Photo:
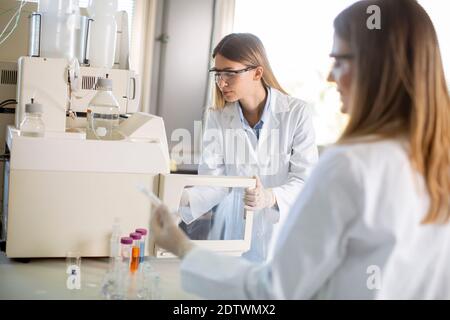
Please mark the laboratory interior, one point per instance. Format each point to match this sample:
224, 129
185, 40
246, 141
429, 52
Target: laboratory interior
217, 149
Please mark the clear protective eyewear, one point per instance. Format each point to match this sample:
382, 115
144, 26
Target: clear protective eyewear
337, 59
228, 75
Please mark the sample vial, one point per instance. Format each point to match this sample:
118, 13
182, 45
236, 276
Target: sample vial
143, 233
125, 250
135, 251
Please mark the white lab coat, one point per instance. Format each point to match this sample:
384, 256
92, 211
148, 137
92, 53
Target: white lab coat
283, 158
359, 214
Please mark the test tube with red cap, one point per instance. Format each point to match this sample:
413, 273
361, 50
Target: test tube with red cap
143, 233
135, 251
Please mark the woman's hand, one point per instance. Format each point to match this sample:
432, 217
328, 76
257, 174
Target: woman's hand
166, 233
258, 198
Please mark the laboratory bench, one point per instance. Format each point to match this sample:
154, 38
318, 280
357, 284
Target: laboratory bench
45, 279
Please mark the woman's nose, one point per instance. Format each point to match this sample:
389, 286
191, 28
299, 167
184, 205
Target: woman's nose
221, 83
330, 77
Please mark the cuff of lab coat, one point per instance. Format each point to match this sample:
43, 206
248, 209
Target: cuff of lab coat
195, 204
185, 215
214, 276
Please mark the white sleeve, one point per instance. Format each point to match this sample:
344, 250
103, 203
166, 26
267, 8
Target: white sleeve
303, 158
307, 252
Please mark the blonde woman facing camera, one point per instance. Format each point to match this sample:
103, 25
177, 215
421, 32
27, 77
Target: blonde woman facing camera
376, 202
255, 129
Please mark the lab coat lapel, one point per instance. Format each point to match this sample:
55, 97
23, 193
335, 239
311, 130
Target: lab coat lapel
270, 133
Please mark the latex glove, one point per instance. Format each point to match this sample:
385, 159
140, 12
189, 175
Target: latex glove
166, 233
258, 198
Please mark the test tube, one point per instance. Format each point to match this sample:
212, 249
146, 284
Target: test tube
125, 250
134, 265
143, 233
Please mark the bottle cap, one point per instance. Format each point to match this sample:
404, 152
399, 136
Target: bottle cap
135, 236
126, 240
104, 83
33, 107
142, 231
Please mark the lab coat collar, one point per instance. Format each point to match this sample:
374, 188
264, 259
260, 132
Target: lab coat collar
278, 104
264, 115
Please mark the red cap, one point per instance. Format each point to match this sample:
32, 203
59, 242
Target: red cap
126, 240
142, 231
135, 236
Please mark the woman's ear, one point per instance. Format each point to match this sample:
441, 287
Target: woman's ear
259, 72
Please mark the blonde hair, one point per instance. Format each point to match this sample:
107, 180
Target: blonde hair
247, 49
399, 88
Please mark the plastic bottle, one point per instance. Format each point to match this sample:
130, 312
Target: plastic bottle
60, 19
143, 233
135, 254
103, 113
32, 125
103, 33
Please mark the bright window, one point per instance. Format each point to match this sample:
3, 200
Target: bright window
438, 12
298, 37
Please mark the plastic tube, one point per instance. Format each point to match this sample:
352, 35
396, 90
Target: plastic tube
143, 233
125, 250
135, 251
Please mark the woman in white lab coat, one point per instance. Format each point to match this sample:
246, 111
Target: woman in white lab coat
372, 220
255, 129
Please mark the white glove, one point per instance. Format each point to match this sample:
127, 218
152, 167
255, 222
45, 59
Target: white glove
258, 198
166, 233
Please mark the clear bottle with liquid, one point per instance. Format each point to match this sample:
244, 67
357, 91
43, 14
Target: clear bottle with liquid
32, 125
103, 113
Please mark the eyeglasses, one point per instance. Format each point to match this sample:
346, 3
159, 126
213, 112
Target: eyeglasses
228, 76
345, 56
338, 58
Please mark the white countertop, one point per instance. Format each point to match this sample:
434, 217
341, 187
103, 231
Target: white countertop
45, 279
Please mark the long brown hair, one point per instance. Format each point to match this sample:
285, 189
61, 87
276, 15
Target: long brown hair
399, 88
247, 49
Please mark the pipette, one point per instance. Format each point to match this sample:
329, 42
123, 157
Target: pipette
150, 195
156, 201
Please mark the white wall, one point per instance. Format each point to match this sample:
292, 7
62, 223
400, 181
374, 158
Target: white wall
17, 43
183, 64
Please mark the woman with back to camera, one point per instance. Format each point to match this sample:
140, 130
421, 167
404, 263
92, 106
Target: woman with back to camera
378, 200
255, 129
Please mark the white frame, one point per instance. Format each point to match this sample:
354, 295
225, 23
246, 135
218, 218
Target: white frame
170, 189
